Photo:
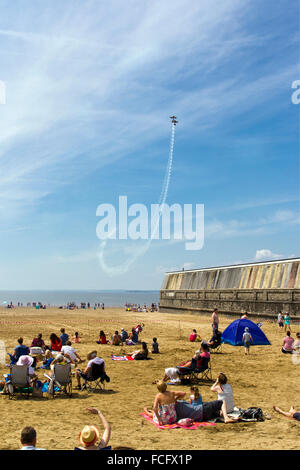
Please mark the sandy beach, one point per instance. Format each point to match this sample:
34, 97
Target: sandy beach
264, 378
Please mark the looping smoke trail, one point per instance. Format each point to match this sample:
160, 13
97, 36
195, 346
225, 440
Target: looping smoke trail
123, 268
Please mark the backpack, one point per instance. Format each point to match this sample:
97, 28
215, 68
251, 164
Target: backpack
252, 414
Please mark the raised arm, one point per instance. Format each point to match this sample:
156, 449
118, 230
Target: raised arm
107, 429
216, 387
179, 395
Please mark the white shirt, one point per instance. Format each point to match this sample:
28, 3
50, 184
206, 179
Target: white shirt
70, 351
96, 360
227, 396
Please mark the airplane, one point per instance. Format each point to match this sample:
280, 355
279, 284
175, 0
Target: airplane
174, 120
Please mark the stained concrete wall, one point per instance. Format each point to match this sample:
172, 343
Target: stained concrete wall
258, 288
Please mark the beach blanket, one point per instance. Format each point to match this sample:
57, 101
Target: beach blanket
195, 424
122, 358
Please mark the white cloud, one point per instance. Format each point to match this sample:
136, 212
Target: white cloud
265, 253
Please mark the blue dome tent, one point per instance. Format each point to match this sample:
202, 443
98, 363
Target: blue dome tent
233, 334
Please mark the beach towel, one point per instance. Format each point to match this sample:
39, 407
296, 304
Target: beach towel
195, 424
122, 358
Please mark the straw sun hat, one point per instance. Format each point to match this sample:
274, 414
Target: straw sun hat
89, 435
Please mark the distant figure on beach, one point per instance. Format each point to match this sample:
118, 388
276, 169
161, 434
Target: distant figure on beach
246, 340
155, 348
38, 342
194, 336
124, 335
287, 344
20, 350
280, 320
215, 319
64, 337
55, 342
287, 322
28, 439
215, 340
102, 338
116, 339
141, 354
76, 337
102, 306
244, 316
133, 338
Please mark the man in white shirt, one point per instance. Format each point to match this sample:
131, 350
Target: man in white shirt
28, 439
70, 353
93, 359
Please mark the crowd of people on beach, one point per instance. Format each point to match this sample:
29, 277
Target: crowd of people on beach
169, 406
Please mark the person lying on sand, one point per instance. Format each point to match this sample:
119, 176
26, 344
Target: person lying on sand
292, 414
141, 353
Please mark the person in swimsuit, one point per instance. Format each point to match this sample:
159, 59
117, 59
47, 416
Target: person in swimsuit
164, 411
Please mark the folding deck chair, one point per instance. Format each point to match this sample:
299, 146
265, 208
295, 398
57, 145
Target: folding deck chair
95, 379
196, 375
61, 378
19, 378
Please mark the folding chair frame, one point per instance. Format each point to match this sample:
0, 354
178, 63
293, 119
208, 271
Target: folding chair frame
11, 385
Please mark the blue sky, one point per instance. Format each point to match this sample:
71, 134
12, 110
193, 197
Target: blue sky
90, 86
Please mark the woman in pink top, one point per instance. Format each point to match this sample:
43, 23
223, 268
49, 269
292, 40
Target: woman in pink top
287, 345
194, 335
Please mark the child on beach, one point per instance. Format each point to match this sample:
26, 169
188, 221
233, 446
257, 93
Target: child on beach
195, 397
76, 337
246, 340
155, 349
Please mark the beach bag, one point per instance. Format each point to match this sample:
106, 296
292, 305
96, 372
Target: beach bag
185, 422
252, 414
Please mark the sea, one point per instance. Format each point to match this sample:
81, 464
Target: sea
57, 298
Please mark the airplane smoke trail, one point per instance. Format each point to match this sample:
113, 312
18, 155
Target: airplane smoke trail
139, 251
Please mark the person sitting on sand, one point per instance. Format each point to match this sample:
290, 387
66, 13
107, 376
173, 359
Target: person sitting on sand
93, 359
116, 339
195, 397
55, 342
141, 354
38, 342
287, 344
155, 348
20, 350
296, 344
133, 338
164, 411
124, 335
64, 336
102, 338
70, 353
225, 394
48, 359
90, 435
292, 414
194, 336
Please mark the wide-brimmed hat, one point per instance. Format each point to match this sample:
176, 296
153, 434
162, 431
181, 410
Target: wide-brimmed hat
25, 361
89, 435
89, 356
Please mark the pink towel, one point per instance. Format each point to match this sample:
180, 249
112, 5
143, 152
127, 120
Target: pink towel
195, 425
